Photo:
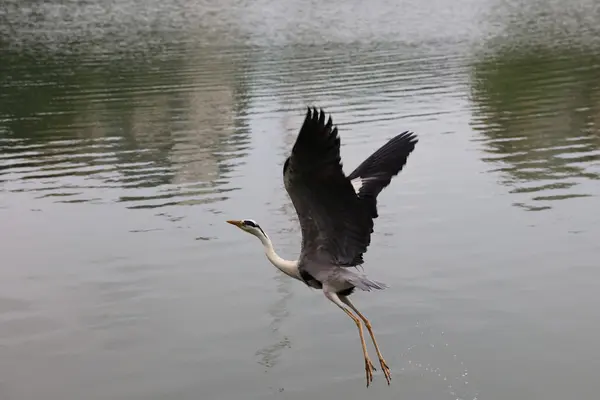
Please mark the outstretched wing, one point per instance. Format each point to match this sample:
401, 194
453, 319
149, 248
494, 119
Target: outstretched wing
376, 172
337, 220
335, 227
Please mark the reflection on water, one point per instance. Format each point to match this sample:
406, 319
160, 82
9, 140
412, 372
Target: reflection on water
170, 130
103, 131
363, 84
537, 108
269, 355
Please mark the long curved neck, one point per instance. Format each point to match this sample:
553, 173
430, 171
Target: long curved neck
288, 267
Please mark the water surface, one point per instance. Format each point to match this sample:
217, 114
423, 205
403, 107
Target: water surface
129, 133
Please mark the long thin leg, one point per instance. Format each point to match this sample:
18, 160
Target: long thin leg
384, 367
369, 367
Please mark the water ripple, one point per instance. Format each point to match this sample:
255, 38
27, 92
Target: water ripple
167, 133
536, 112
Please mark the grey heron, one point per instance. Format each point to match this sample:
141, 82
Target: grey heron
336, 214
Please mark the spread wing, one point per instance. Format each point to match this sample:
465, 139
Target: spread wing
336, 220
336, 228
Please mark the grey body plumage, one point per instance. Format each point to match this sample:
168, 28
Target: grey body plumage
336, 214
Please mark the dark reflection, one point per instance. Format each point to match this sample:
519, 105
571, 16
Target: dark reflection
270, 355
72, 122
289, 230
537, 110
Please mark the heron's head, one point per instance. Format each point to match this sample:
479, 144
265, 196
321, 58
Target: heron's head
250, 226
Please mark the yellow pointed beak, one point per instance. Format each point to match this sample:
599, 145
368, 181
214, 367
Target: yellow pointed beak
235, 222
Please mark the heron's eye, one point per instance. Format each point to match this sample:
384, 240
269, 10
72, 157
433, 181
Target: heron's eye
250, 223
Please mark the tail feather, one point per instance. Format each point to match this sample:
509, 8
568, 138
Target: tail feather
361, 281
377, 171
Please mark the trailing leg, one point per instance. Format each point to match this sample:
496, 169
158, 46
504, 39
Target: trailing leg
384, 367
369, 368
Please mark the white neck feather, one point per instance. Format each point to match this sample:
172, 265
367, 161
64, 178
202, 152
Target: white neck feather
288, 267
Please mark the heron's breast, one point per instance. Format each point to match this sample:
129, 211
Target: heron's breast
310, 280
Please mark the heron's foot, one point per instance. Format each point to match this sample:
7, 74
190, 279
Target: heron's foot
369, 368
386, 370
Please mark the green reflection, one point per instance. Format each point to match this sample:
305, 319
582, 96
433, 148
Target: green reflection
537, 111
176, 117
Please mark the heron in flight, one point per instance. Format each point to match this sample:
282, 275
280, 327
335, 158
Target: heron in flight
336, 215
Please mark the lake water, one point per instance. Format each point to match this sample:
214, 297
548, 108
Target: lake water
130, 131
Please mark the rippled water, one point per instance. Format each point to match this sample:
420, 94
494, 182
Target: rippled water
130, 132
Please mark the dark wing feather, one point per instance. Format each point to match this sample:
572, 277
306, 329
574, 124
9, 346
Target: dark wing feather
335, 226
377, 171
337, 222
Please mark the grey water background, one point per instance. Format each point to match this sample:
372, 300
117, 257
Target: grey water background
131, 130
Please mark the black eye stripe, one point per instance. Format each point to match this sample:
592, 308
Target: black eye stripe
250, 223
